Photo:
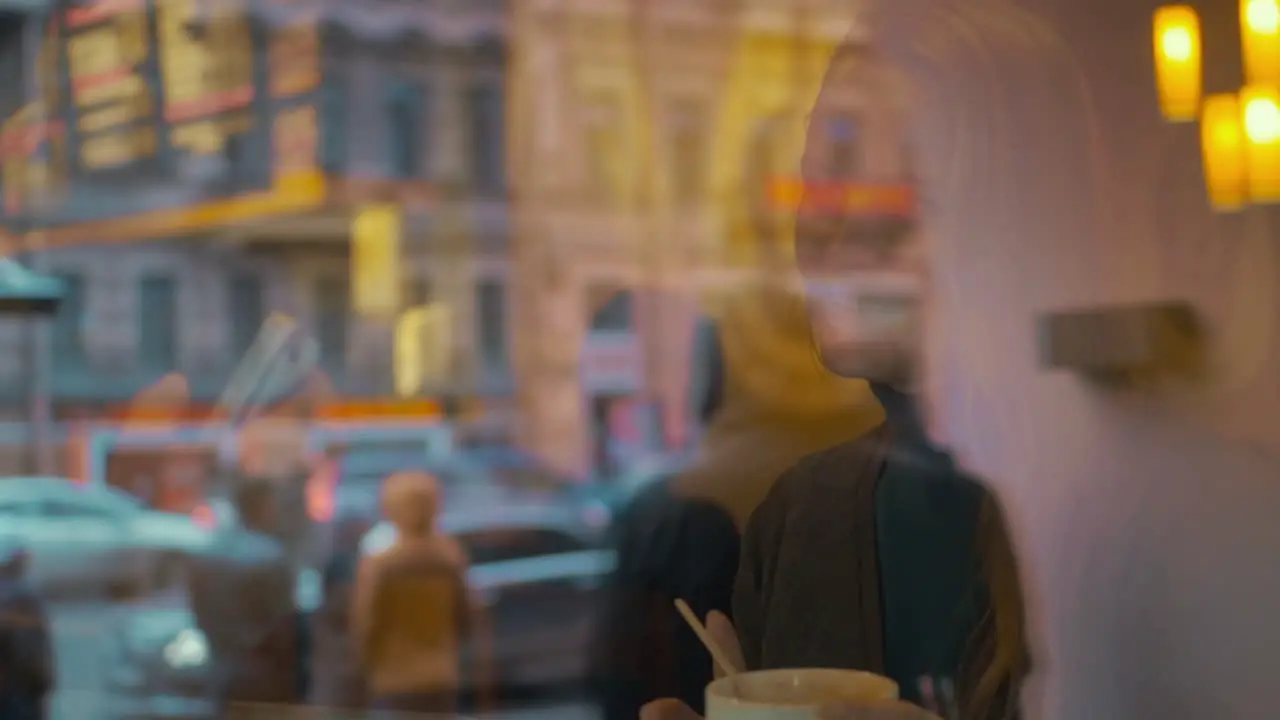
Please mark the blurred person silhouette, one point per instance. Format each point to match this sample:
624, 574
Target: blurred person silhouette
411, 613
271, 459
337, 679
876, 553
274, 449
26, 644
242, 598
679, 537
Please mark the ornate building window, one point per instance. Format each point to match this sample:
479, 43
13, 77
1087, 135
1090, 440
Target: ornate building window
158, 322
487, 138
408, 128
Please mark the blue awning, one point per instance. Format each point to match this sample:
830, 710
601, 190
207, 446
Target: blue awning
23, 290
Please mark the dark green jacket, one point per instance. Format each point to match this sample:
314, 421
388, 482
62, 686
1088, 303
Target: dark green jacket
865, 556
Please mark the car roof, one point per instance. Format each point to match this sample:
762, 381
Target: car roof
49, 485
515, 514
36, 485
34, 481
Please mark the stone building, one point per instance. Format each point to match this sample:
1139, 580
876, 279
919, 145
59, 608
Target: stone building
174, 255
631, 127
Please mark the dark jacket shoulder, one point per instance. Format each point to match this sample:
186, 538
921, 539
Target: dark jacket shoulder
926, 519
668, 547
807, 589
869, 557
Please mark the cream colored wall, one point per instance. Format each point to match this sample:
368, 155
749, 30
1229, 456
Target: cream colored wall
1147, 523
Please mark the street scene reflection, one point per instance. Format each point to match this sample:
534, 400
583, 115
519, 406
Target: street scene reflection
408, 359
262, 258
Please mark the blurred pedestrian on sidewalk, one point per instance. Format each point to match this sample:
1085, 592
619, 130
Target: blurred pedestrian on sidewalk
241, 595
26, 646
411, 613
337, 679
765, 403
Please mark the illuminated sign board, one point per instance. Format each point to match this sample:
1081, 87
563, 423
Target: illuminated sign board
107, 45
847, 198
136, 99
207, 76
397, 411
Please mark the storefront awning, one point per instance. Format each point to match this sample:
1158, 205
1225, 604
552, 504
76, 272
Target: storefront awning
25, 292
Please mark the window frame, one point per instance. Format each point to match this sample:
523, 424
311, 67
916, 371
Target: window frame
242, 329
334, 110
486, 100
67, 330
323, 327
501, 360
407, 111
170, 336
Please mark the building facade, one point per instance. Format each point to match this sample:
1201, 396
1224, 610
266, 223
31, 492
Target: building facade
239, 200
632, 125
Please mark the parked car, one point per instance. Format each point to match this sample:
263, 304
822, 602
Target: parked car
156, 663
93, 538
536, 567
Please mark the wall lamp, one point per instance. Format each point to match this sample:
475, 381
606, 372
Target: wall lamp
1240, 131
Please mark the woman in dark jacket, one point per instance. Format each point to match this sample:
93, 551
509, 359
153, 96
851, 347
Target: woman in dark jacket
679, 538
876, 552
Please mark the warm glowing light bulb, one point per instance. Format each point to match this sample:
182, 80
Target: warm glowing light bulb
1177, 44
1262, 120
1226, 136
1263, 16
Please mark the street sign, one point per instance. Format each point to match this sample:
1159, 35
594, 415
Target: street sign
423, 346
375, 260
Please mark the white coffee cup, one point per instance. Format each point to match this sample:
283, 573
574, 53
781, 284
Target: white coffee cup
793, 694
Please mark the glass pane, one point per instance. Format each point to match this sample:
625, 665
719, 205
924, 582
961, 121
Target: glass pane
406, 125
247, 310
487, 136
157, 324
491, 313
333, 118
67, 341
332, 300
